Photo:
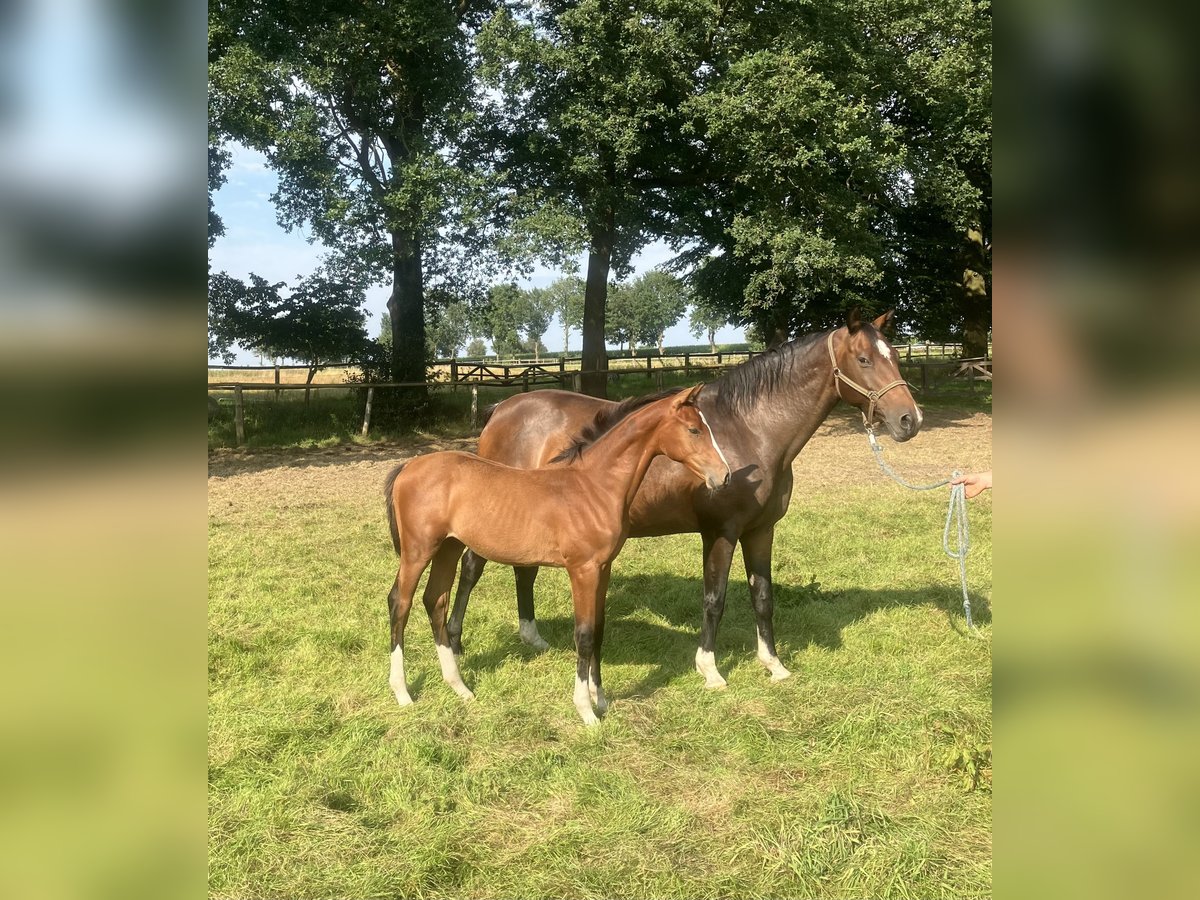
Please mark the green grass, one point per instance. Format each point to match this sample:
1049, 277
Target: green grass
845, 781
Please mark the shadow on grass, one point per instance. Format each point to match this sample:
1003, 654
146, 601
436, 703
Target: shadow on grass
804, 617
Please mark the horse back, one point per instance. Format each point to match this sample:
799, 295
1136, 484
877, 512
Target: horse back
528, 430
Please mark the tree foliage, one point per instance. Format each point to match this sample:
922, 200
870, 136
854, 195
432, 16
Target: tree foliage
319, 321
363, 110
565, 296
641, 311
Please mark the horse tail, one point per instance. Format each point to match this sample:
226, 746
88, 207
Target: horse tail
388, 484
487, 414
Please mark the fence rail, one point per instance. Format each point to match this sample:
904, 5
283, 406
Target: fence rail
475, 375
514, 368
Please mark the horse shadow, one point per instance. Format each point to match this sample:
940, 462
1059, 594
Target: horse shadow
654, 621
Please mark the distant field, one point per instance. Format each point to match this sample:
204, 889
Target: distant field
867, 774
338, 374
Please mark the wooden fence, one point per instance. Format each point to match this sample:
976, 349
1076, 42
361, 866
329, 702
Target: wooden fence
473, 375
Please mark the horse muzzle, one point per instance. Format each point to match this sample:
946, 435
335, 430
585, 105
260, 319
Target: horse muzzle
903, 425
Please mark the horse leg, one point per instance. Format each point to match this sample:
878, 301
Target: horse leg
437, 599
399, 603
718, 555
756, 554
595, 686
526, 575
585, 581
472, 570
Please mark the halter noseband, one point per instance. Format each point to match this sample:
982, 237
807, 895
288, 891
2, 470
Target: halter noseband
872, 396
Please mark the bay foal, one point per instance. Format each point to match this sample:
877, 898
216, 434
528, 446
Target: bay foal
573, 515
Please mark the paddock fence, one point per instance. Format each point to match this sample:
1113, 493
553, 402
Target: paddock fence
927, 367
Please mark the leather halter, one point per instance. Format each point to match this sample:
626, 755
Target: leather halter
872, 396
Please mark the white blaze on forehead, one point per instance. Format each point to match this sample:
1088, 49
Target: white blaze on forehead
884, 350
713, 438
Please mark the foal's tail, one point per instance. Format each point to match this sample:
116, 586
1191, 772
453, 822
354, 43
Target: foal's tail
388, 484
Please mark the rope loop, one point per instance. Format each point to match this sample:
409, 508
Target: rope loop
956, 516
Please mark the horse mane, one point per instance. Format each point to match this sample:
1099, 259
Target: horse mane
604, 422
736, 391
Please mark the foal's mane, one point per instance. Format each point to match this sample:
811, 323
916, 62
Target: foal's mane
736, 391
604, 422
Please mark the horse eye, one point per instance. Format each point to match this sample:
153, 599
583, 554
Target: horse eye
694, 430
863, 361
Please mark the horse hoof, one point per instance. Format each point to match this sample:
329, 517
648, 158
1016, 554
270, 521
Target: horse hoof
589, 718
463, 691
529, 635
716, 684
780, 674
404, 699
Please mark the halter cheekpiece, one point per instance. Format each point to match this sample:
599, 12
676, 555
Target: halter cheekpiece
872, 396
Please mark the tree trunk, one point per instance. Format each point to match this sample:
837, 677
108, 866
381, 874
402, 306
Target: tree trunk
312, 370
975, 297
566, 338
661, 335
406, 306
632, 347
594, 380
712, 340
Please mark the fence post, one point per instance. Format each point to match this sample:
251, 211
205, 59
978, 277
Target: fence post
718, 359
649, 364
525, 382
927, 349
277, 382
687, 365
577, 381
562, 371
475, 405
239, 415
367, 414
454, 375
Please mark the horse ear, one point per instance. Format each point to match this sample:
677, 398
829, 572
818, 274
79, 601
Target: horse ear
885, 323
690, 398
854, 320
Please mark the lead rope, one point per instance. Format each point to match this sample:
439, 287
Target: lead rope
956, 513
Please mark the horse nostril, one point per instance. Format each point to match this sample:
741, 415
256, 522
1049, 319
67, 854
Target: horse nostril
728, 477
906, 421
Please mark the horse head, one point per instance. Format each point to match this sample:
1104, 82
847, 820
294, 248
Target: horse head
867, 376
686, 437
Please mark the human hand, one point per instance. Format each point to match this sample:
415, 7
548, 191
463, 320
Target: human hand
975, 483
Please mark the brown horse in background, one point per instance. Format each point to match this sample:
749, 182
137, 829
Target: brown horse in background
762, 413
574, 516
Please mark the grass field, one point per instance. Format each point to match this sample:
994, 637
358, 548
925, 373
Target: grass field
865, 774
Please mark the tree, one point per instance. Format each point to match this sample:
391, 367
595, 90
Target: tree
477, 349
620, 325
450, 329
591, 106
937, 58
503, 318
660, 300
364, 110
706, 318
536, 313
566, 299
319, 321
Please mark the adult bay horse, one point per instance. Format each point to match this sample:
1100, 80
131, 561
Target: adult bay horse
762, 413
574, 516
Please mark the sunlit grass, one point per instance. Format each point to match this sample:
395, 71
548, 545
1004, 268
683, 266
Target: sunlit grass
832, 784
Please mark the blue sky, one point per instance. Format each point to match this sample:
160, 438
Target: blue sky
254, 242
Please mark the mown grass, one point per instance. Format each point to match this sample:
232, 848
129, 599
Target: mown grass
835, 783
